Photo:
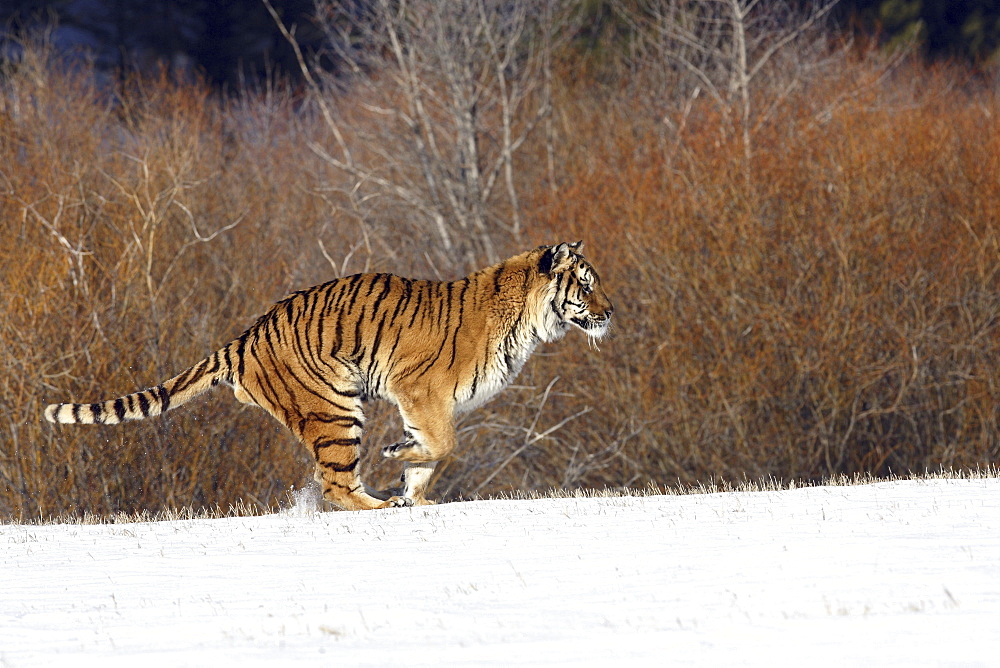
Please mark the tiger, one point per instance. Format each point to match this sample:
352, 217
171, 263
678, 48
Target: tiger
434, 349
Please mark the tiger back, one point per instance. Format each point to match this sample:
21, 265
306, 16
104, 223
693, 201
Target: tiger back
433, 348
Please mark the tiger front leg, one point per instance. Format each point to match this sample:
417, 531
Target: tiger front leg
416, 480
418, 451
428, 437
399, 449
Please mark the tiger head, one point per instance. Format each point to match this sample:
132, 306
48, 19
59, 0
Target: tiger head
575, 296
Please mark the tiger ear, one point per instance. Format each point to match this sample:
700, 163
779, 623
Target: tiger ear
557, 258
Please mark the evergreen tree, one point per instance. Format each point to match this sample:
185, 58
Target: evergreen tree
943, 28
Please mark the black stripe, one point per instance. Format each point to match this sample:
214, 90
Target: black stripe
120, 409
344, 288
354, 289
316, 319
340, 468
340, 420
76, 412
559, 297
186, 378
497, 287
356, 351
332, 484
416, 308
386, 288
545, 262
310, 388
164, 398
305, 352
240, 349
336, 443
374, 280
321, 368
446, 312
475, 382
229, 364
338, 333
266, 382
143, 404
377, 341
392, 349
267, 328
329, 290
403, 301
430, 362
97, 411
215, 363
458, 325
269, 393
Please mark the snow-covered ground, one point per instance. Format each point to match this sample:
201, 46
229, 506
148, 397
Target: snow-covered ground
896, 573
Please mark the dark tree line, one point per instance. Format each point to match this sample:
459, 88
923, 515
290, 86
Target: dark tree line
229, 42
232, 42
966, 29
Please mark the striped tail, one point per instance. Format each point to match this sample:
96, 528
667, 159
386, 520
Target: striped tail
181, 388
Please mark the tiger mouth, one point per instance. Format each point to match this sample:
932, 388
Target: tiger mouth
593, 325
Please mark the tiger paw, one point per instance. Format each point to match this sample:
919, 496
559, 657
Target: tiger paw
399, 502
396, 449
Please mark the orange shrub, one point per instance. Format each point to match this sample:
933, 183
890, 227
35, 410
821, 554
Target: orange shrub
836, 314
831, 308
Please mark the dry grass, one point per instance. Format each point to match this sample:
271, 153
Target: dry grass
304, 502
835, 314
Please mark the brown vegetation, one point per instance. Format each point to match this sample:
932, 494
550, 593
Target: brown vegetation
831, 307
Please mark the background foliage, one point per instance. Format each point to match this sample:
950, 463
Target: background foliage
969, 29
234, 42
826, 302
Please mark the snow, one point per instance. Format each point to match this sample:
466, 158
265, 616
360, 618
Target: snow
893, 574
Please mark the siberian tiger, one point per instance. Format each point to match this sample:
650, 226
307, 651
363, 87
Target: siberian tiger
432, 348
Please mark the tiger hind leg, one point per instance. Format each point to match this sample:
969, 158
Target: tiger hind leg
336, 444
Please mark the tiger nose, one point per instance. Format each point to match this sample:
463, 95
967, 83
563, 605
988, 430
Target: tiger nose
609, 311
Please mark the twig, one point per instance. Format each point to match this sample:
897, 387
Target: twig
530, 440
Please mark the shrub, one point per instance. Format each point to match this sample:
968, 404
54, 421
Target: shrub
835, 313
